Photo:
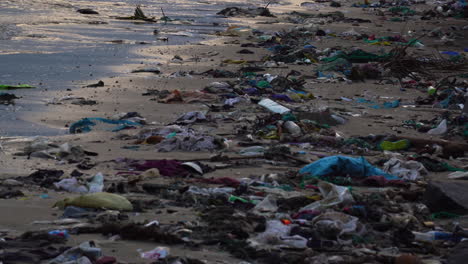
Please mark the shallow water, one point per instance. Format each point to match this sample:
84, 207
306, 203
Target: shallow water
47, 44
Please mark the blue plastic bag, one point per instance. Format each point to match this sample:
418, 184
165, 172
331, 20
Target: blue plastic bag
342, 166
450, 53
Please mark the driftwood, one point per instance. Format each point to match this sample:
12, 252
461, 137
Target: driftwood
139, 15
402, 65
421, 142
260, 156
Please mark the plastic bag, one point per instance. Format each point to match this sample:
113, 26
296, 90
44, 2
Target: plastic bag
274, 230
98, 200
277, 235
408, 170
334, 225
440, 129
71, 185
43, 148
155, 254
96, 184
252, 151
342, 166
84, 125
79, 255
210, 191
458, 175
332, 195
191, 117
268, 205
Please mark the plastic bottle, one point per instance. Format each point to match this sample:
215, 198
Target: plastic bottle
239, 31
338, 119
433, 236
274, 106
90, 250
292, 128
440, 129
60, 233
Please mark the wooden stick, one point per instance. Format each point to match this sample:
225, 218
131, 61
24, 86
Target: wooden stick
444, 143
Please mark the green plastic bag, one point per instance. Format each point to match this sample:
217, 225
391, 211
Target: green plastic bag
402, 10
396, 145
13, 87
100, 200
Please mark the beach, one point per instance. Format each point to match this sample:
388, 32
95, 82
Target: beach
183, 90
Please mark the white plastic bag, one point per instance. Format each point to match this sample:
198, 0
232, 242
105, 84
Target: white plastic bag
440, 129
71, 185
341, 224
332, 195
156, 254
408, 170
268, 205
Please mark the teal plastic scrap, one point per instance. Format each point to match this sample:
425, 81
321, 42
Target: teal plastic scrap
359, 56
385, 105
85, 125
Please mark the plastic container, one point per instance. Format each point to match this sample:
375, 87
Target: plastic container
274, 106
90, 250
60, 233
292, 128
